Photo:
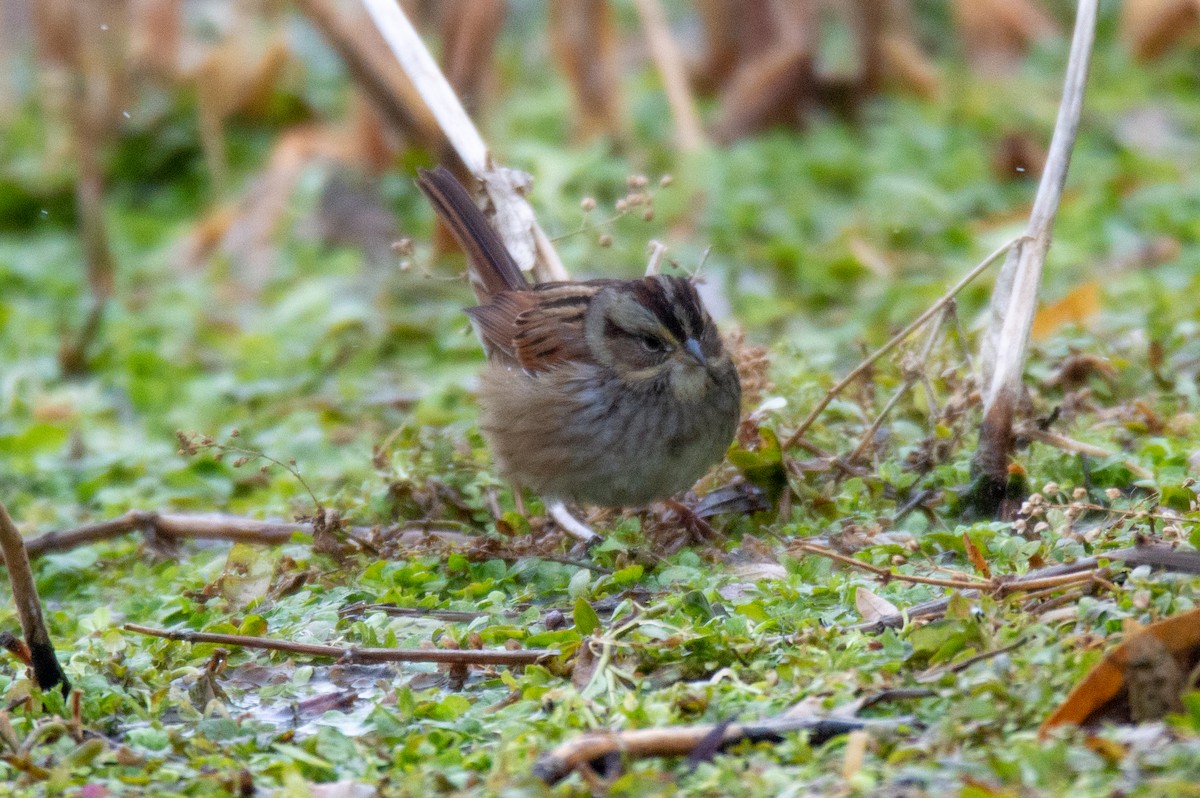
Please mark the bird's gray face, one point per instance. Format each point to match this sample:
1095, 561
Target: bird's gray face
657, 329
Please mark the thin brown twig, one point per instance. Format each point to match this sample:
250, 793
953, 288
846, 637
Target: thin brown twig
888, 574
916, 324
354, 654
1055, 577
933, 674
1004, 588
905, 387
1134, 515
174, 526
212, 527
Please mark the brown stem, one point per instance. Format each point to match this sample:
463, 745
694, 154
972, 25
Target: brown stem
689, 133
375, 73
217, 527
356, 655
1054, 577
1067, 444
46, 669
888, 574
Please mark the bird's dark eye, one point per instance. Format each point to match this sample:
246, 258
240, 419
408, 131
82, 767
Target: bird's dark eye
652, 344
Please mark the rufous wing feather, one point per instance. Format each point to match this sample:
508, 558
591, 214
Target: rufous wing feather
553, 330
495, 322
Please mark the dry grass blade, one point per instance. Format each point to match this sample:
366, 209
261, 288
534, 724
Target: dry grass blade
515, 221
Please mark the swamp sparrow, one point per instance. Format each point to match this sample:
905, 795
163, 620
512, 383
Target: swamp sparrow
606, 392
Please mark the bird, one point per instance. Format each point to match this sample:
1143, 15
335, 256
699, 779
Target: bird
607, 392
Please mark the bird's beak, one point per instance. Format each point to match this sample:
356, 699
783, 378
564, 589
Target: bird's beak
692, 347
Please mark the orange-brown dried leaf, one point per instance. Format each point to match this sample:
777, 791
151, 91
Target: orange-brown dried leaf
978, 561
1080, 306
1104, 692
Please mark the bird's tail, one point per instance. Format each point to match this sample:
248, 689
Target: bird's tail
492, 267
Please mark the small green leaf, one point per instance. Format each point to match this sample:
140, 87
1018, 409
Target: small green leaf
627, 575
586, 619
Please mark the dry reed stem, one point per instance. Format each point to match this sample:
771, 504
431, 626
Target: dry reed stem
515, 220
1014, 297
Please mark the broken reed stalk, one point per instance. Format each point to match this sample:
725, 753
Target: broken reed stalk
355, 655
514, 217
689, 133
896, 340
46, 670
1015, 295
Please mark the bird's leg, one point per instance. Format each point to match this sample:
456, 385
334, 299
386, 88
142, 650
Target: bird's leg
569, 523
519, 500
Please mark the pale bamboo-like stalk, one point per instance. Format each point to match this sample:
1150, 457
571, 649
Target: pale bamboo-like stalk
1014, 298
514, 217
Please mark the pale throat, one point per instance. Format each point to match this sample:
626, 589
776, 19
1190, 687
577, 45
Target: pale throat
689, 383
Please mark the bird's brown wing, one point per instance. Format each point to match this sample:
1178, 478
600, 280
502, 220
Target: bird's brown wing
537, 329
495, 323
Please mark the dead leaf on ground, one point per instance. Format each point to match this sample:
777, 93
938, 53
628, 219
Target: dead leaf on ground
978, 561
1137, 679
872, 607
1080, 306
